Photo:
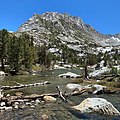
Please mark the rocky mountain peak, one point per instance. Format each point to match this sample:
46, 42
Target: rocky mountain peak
66, 28
55, 18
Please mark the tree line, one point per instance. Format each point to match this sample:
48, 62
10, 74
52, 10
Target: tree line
20, 52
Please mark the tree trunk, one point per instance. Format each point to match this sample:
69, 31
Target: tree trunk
2, 64
86, 71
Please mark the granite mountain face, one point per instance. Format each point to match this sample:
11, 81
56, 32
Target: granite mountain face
55, 29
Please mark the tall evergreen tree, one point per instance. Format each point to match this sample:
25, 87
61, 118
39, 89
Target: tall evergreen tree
44, 56
27, 50
14, 53
3, 46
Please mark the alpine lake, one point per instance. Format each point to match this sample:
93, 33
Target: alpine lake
58, 110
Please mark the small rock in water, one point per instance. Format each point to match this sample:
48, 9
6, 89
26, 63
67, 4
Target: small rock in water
49, 99
32, 106
45, 117
2, 104
8, 95
19, 93
46, 82
16, 105
32, 101
2, 73
99, 88
28, 103
37, 101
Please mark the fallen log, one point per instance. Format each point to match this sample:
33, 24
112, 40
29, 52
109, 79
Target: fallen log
23, 85
14, 102
12, 99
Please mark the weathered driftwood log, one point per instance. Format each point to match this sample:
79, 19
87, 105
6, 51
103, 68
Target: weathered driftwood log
23, 85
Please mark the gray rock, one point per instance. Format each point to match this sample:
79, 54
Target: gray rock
49, 99
99, 88
37, 101
2, 104
69, 75
96, 105
45, 117
73, 86
2, 73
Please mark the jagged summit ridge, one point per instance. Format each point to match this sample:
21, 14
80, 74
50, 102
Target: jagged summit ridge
53, 17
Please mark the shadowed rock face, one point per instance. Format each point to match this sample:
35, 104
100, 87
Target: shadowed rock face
96, 105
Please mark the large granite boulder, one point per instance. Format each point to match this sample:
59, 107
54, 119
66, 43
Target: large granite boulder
96, 105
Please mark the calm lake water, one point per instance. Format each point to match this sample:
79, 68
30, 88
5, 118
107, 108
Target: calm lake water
58, 110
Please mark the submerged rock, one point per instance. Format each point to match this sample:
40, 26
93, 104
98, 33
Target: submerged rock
49, 99
96, 105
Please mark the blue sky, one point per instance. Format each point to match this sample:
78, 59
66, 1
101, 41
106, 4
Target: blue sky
103, 15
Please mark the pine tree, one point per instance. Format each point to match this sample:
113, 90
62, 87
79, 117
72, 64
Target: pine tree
27, 49
44, 56
42, 51
3, 46
14, 53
